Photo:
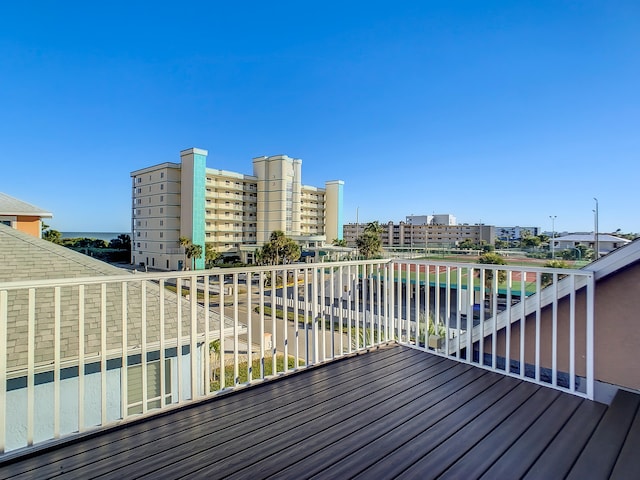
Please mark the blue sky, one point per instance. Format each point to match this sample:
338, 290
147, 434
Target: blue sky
496, 112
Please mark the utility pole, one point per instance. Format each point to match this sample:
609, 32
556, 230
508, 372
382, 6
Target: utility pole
597, 238
553, 235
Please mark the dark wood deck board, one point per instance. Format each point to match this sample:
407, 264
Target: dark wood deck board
476, 461
560, 454
410, 442
245, 424
220, 411
277, 433
439, 460
363, 441
516, 461
600, 454
628, 463
394, 411
341, 426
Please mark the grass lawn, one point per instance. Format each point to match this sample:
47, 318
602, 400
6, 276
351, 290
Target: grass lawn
243, 370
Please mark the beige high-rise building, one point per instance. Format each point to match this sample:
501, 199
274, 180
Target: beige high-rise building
233, 212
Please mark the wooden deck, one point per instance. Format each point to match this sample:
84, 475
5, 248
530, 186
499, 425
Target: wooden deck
393, 412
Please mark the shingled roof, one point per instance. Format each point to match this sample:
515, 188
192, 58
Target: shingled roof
25, 258
12, 206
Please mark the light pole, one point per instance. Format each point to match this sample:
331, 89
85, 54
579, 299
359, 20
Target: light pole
597, 240
553, 235
411, 252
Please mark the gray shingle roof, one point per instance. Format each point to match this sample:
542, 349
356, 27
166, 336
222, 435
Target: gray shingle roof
23, 257
12, 206
602, 237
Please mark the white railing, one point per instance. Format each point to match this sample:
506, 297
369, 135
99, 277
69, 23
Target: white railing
76, 354
475, 312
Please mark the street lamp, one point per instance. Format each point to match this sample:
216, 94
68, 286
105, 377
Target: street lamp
553, 235
597, 240
411, 252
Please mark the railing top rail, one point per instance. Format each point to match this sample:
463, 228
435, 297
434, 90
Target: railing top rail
491, 266
152, 276
140, 276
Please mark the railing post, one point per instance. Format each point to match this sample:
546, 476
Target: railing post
3, 369
590, 351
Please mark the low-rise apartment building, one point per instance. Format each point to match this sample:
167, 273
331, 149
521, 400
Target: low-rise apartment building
233, 212
411, 235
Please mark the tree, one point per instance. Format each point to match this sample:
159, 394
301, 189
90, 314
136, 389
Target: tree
492, 258
467, 244
369, 244
184, 243
339, 242
122, 242
373, 227
193, 252
547, 278
530, 241
210, 255
53, 236
279, 250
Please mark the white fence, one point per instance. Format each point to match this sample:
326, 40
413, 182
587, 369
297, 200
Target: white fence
76, 354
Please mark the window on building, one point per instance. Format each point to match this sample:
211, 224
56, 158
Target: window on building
162, 198
161, 221
161, 234
161, 210
162, 186
160, 246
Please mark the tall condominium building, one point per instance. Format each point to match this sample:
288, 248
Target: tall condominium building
424, 235
233, 212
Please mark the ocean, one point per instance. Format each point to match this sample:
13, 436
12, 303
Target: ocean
106, 236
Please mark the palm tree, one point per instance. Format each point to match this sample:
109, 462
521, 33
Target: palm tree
373, 227
184, 243
210, 255
279, 249
193, 251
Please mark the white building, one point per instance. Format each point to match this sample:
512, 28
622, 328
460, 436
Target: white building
606, 243
435, 219
516, 233
234, 212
